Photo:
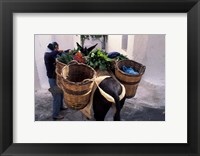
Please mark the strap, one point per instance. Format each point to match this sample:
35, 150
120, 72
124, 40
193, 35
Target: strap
98, 80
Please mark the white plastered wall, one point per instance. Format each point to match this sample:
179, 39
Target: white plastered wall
41, 41
150, 51
115, 44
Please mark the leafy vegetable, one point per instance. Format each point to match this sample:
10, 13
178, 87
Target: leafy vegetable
98, 59
121, 57
65, 57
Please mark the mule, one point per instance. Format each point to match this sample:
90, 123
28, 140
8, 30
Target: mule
112, 87
101, 104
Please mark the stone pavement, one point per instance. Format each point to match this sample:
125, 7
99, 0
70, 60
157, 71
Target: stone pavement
134, 109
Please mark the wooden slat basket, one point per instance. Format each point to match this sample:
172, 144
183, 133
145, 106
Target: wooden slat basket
59, 67
78, 81
130, 82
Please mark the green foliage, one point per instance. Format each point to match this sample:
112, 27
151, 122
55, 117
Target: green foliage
66, 57
98, 59
121, 57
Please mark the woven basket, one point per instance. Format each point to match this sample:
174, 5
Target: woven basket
78, 81
58, 79
130, 82
59, 67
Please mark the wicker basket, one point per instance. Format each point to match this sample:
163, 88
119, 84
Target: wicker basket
78, 81
59, 67
130, 82
58, 79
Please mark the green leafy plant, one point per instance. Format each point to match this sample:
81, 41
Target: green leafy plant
98, 59
121, 57
65, 57
74, 54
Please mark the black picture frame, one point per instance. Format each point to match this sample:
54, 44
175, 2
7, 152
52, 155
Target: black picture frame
8, 7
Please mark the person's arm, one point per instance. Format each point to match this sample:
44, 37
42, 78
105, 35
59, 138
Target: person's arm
53, 54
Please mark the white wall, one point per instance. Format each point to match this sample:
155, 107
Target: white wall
76, 38
115, 44
65, 41
130, 46
150, 51
41, 41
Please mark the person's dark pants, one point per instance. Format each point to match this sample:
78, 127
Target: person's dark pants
57, 97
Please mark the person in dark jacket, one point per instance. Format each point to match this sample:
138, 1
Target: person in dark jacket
50, 60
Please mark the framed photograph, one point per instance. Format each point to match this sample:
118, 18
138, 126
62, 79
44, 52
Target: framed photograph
96, 57
161, 115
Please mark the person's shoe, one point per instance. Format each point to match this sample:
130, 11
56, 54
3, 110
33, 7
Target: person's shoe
63, 108
59, 117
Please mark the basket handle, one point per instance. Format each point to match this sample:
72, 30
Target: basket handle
86, 80
115, 64
142, 69
73, 62
65, 71
90, 80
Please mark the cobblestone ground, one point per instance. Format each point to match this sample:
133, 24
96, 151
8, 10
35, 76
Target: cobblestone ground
133, 110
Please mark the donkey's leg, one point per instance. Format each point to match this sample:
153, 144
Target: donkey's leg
100, 106
119, 106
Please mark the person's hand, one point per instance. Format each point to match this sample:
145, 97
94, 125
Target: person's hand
60, 51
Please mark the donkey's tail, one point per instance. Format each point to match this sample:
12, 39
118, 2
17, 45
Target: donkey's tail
118, 108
